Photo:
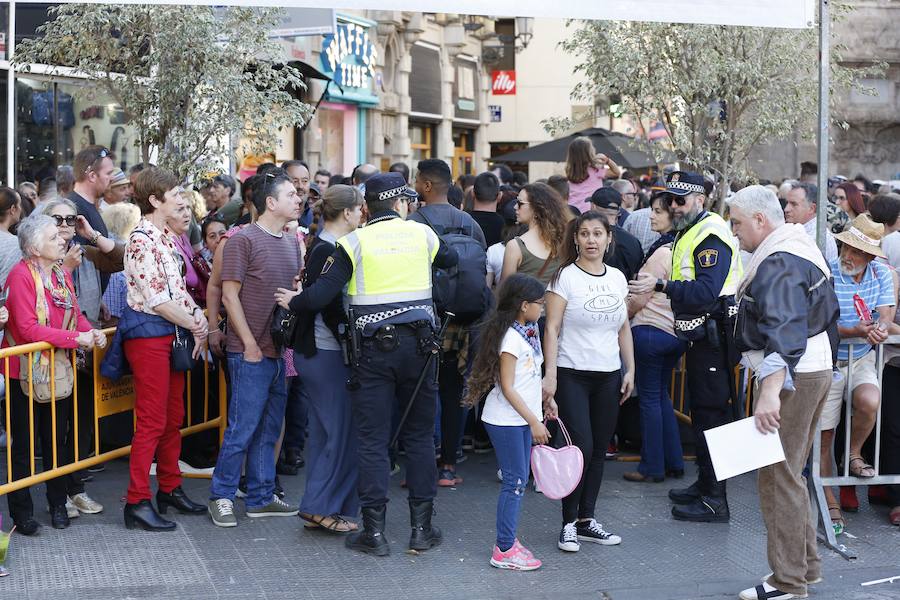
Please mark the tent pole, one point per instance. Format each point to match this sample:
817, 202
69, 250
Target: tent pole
824, 118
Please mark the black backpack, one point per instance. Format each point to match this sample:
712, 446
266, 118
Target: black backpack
461, 290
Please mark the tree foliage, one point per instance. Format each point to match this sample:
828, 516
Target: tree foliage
719, 91
186, 77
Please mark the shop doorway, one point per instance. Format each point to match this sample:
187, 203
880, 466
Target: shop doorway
463, 152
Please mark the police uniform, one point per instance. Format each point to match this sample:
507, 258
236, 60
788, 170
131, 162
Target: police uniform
386, 268
706, 268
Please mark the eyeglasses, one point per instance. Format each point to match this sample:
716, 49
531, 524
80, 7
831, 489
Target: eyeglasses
68, 220
521, 203
542, 301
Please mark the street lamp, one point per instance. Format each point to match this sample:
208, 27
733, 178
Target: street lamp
524, 30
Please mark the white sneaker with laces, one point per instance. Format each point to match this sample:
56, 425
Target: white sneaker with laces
592, 531
85, 504
568, 538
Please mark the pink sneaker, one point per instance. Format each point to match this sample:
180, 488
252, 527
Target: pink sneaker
517, 558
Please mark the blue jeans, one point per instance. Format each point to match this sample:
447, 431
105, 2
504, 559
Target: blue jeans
259, 395
512, 445
656, 353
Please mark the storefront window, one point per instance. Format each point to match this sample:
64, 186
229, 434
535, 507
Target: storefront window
421, 141
55, 120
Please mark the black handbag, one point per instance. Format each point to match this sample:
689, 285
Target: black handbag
284, 328
182, 350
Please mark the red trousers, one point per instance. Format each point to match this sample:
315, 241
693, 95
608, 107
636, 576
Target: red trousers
159, 411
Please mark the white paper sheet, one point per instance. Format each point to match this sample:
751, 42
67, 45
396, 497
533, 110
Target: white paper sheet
739, 447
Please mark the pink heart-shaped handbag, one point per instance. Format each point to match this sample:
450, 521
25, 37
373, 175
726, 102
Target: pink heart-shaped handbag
557, 471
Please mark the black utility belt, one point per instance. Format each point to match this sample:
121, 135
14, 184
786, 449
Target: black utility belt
692, 329
387, 337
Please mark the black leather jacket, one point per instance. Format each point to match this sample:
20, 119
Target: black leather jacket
789, 301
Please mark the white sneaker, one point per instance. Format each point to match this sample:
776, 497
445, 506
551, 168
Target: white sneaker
765, 591
187, 469
592, 531
85, 504
568, 538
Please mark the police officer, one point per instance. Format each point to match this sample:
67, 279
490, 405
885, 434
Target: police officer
386, 269
706, 269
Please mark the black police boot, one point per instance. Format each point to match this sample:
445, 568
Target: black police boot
178, 500
687, 495
371, 539
143, 515
706, 509
424, 535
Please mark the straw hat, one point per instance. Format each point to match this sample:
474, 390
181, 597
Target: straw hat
864, 234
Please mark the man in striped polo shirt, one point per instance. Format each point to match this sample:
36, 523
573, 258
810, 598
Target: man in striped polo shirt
865, 291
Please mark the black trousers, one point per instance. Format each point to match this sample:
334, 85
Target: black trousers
588, 404
890, 428
386, 382
450, 388
708, 374
20, 504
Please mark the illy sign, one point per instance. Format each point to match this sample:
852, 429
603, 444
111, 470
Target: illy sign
503, 83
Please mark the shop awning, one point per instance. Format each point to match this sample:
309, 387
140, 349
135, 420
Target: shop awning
626, 151
795, 14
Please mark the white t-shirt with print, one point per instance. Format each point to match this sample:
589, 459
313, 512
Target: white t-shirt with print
595, 312
497, 409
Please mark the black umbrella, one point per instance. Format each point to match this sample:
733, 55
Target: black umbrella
626, 151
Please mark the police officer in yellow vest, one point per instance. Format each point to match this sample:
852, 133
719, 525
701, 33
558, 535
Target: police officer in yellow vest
386, 270
706, 268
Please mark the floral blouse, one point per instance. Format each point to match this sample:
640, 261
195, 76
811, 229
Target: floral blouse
152, 271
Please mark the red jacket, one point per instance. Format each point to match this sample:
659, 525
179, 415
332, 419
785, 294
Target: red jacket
23, 325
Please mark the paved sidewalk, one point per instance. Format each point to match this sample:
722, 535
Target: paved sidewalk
275, 559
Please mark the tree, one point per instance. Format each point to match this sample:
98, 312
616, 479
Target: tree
186, 77
719, 91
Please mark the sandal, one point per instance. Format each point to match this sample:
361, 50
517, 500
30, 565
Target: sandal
334, 523
837, 519
866, 471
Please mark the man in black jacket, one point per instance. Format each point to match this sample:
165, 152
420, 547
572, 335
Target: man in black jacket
787, 331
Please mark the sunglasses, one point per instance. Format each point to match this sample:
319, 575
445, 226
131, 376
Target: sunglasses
103, 153
69, 220
679, 200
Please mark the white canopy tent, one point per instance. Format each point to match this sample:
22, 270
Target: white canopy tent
753, 13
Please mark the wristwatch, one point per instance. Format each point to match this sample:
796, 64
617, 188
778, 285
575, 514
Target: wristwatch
94, 238
660, 285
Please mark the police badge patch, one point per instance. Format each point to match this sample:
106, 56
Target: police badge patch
708, 258
328, 262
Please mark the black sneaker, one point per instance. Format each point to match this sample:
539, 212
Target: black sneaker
279, 491
706, 509
592, 531
242, 488
568, 538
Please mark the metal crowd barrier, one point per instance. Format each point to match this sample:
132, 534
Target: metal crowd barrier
818, 483
109, 398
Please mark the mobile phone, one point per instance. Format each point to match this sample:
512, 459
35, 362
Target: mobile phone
4, 295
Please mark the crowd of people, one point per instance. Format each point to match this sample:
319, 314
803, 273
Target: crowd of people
367, 318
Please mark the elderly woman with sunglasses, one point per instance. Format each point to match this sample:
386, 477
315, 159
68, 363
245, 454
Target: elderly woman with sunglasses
43, 308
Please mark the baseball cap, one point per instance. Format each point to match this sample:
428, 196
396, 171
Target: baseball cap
607, 197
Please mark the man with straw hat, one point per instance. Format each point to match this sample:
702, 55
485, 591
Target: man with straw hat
865, 291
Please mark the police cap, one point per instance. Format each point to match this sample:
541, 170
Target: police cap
682, 183
387, 186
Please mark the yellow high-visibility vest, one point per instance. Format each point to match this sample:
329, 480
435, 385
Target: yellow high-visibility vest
683, 252
391, 262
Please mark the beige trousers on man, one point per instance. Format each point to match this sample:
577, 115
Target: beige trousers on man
783, 495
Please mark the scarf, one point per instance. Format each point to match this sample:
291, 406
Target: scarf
666, 238
789, 238
61, 296
529, 331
